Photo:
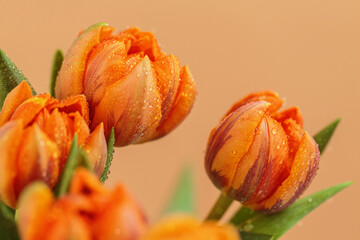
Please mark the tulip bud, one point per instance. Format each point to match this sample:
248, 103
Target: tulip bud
35, 138
262, 157
187, 227
88, 211
129, 83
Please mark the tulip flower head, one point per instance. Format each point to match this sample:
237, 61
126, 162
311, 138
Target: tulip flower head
260, 156
187, 227
88, 211
129, 82
35, 137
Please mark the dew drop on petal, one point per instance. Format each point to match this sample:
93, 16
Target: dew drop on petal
274, 131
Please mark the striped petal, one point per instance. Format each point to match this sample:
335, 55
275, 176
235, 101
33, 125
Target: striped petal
302, 172
230, 142
183, 103
131, 105
70, 79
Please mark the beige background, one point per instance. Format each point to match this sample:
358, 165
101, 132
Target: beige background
308, 51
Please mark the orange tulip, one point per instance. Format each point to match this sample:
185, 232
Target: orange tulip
262, 157
88, 211
129, 82
186, 228
35, 136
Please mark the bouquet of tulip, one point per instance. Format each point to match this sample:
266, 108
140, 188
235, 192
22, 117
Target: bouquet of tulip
112, 90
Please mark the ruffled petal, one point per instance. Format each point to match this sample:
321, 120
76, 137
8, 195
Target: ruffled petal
268, 96
18, 95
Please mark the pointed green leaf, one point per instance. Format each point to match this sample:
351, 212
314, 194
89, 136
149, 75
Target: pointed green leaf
110, 153
183, 198
72, 161
8, 230
56, 65
10, 77
83, 160
277, 224
323, 137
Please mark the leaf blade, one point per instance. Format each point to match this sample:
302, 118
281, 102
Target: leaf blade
183, 199
10, 77
8, 228
110, 155
64, 182
323, 137
279, 223
56, 65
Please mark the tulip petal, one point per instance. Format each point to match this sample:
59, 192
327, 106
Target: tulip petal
142, 42
294, 134
302, 172
57, 129
28, 110
38, 159
290, 113
168, 76
80, 128
275, 171
183, 103
131, 105
106, 64
250, 167
268, 96
231, 140
34, 204
96, 149
121, 218
18, 95
10, 137
72, 104
70, 78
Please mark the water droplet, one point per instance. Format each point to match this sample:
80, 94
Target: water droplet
274, 131
310, 200
248, 227
234, 152
278, 146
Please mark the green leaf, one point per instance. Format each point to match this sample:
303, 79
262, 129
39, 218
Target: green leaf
83, 160
255, 236
110, 152
183, 199
279, 223
323, 137
68, 171
242, 215
10, 77
8, 230
56, 65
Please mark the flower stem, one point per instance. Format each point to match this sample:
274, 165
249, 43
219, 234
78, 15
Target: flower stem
219, 208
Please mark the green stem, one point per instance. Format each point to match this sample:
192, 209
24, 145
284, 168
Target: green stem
219, 208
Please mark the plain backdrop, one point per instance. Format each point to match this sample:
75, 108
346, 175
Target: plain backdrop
308, 51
